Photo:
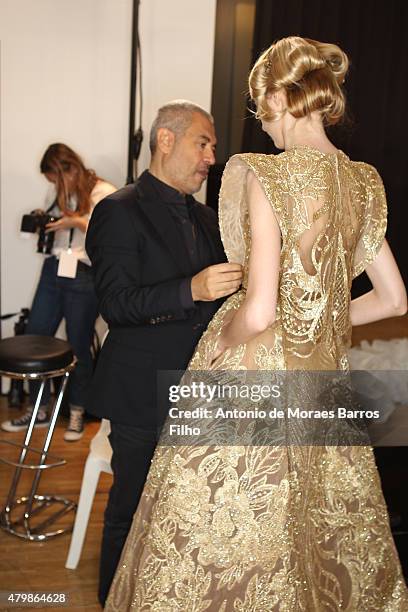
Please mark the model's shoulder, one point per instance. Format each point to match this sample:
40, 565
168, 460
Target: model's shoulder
252, 159
261, 164
365, 169
367, 176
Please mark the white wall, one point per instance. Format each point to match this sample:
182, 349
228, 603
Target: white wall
65, 68
177, 38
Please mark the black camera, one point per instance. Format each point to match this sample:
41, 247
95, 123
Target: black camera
36, 221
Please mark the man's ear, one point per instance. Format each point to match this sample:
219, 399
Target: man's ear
165, 140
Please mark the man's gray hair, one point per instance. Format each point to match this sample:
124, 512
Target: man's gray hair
175, 116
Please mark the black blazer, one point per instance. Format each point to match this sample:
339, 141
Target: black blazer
139, 261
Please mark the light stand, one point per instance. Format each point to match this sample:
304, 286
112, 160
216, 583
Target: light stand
135, 138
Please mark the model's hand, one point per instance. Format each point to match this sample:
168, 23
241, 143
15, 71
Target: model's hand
216, 281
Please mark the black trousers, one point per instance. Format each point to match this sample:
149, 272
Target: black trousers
133, 450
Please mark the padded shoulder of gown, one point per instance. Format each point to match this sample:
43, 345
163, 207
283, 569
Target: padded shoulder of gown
233, 207
373, 214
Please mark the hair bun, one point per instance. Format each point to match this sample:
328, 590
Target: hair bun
334, 57
310, 72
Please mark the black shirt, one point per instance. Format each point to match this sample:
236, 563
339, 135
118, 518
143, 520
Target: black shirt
180, 207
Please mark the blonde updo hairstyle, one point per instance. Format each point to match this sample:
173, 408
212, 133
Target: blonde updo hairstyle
309, 72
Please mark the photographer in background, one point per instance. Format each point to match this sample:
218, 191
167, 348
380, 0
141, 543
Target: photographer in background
65, 289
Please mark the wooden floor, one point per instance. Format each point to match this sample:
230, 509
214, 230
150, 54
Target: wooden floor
32, 566
29, 566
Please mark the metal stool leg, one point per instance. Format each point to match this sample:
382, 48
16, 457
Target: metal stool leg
23, 453
34, 503
32, 495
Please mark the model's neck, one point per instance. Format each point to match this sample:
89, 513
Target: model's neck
307, 132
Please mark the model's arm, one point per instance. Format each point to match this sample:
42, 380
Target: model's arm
258, 310
388, 298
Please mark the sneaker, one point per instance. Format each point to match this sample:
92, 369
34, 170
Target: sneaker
21, 423
75, 429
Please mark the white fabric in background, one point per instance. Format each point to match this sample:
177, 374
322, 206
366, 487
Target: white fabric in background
387, 384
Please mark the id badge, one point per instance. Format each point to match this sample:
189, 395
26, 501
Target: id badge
68, 264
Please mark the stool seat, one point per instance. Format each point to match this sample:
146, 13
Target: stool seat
28, 353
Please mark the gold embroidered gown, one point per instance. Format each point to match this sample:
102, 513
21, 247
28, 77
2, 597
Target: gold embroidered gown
286, 528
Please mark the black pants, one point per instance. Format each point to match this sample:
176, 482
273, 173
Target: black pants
133, 450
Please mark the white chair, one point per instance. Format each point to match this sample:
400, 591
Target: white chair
98, 461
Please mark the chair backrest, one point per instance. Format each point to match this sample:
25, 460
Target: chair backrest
100, 443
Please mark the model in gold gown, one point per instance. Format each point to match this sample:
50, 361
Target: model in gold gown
275, 528
259, 528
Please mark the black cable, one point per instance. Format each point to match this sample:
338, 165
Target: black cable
135, 139
138, 139
8, 316
139, 55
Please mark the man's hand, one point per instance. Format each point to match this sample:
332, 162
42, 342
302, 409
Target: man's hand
216, 281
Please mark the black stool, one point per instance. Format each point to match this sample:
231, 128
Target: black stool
35, 358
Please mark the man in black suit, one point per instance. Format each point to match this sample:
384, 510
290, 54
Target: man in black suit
156, 256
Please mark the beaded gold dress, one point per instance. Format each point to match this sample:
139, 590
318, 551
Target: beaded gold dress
263, 528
